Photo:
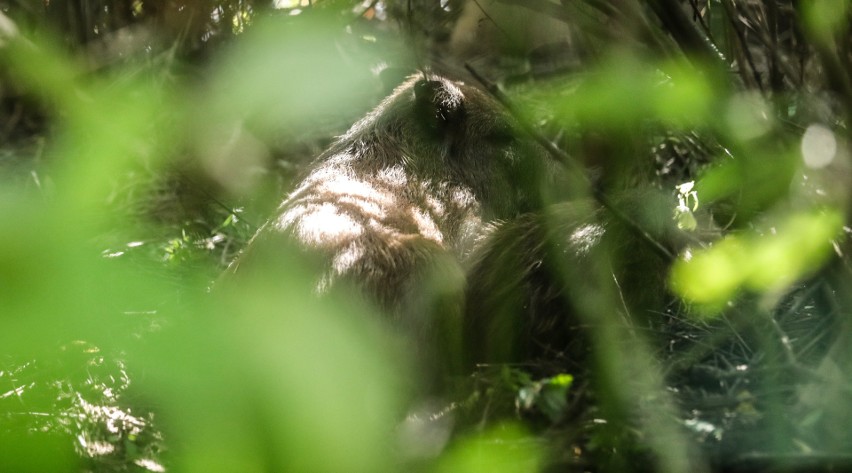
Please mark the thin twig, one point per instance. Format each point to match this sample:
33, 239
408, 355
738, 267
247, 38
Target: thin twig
730, 13
776, 80
493, 22
690, 38
573, 166
781, 62
696, 14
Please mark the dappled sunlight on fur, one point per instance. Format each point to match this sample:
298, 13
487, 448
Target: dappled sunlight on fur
412, 185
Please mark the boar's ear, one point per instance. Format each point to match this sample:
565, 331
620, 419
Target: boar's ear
438, 104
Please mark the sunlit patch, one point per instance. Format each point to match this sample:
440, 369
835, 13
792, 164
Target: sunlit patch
345, 185
287, 4
435, 205
318, 224
700, 426
324, 284
819, 146
95, 448
14, 392
687, 203
462, 198
426, 225
470, 232
150, 465
391, 233
338, 210
116, 422
585, 238
393, 176
346, 259
367, 207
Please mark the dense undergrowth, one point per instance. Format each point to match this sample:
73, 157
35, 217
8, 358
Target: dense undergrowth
143, 144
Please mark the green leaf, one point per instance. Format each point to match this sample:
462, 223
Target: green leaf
759, 262
505, 448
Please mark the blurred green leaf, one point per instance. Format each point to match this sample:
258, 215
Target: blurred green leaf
264, 376
826, 18
37, 452
754, 180
44, 69
285, 76
764, 263
256, 79
55, 286
748, 116
625, 92
800, 245
105, 125
710, 277
505, 448
267, 378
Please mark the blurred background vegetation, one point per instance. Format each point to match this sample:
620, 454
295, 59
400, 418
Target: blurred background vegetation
142, 143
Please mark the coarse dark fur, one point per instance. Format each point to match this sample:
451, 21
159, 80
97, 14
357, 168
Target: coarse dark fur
517, 307
396, 205
526, 277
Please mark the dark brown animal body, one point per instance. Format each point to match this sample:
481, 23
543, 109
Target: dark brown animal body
429, 205
398, 203
532, 278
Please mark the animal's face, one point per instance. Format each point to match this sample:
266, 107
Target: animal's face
459, 133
